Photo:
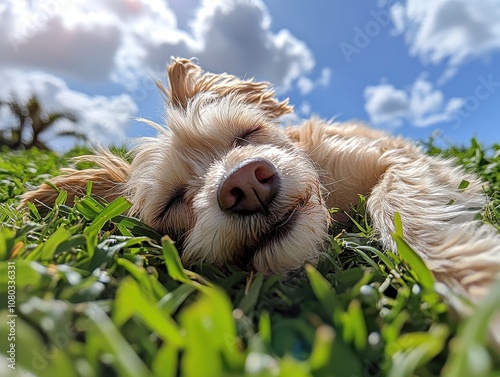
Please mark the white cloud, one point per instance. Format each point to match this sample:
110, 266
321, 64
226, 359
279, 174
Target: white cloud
60, 38
103, 119
450, 31
235, 36
305, 109
398, 17
93, 40
385, 104
306, 85
422, 105
324, 79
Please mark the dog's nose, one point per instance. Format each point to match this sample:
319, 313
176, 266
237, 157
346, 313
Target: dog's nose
249, 188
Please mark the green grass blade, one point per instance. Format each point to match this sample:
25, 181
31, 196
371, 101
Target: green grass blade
149, 285
470, 356
113, 209
322, 348
265, 328
130, 301
210, 334
416, 265
325, 294
136, 228
88, 207
46, 250
173, 261
249, 301
106, 252
126, 361
165, 363
417, 349
7, 242
398, 224
170, 302
354, 326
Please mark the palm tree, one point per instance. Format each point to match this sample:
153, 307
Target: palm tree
21, 113
32, 119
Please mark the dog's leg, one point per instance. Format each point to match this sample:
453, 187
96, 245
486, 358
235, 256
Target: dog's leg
437, 201
438, 204
107, 182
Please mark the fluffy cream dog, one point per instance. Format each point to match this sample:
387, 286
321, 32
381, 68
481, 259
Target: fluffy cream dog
231, 186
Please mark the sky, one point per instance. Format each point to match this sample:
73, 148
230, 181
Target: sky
412, 67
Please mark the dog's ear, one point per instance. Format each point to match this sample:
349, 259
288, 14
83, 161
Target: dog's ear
186, 79
107, 182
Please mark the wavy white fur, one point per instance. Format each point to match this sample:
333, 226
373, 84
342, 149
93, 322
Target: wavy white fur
214, 123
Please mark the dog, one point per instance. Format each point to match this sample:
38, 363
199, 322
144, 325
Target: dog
229, 185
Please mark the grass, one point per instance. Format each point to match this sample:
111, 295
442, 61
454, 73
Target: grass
101, 294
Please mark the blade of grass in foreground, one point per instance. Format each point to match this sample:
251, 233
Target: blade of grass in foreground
7, 241
211, 337
173, 262
109, 339
354, 325
415, 264
113, 209
322, 348
417, 349
130, 301
470, 356
249, 301
325, 294
150, 286
46, 250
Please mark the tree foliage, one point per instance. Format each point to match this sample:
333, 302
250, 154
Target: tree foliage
32, 122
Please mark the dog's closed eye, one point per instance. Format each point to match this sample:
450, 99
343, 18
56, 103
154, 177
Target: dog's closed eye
175, 199
246, 137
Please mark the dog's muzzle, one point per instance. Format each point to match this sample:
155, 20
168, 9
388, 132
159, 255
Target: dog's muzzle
249, 187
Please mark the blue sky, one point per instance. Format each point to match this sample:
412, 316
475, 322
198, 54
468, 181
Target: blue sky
410, 67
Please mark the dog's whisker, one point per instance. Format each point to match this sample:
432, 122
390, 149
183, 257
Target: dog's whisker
290, 216
214, 238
